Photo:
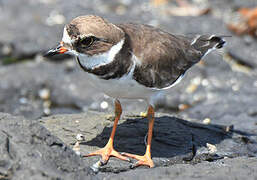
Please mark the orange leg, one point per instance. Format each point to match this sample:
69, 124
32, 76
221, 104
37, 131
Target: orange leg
108, 150
146, 158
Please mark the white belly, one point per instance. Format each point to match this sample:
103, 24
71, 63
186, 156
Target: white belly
125, 87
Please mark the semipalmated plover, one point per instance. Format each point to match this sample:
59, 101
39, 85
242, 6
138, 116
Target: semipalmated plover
132, 61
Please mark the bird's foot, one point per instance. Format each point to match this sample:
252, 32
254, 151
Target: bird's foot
144, 160
107, 152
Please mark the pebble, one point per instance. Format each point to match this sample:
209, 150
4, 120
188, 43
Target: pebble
207, 121
235, 87
205, 82
228, 128
55, 18
7, 49
193, 85
196, 81
191, 88
211, 148
47, 111
143, 114
23, 100
183, 107
95, 167
44, 94
104, 105
80, 137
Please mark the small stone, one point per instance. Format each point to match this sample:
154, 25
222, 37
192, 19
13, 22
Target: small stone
191, 88
196, 81
211, 148
104, 105
44, 94
80, 137
143, 114
183, 107
7, 49
228, 128
235, 87
55, 18
205, 82
207, 121
95, 167
47, 111
23, 100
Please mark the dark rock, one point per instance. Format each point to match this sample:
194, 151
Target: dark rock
240, 168
175, 141
29, 151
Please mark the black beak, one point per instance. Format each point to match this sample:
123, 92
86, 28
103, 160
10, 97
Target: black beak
60, 49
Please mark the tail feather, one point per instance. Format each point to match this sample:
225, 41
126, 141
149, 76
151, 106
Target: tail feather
207, 43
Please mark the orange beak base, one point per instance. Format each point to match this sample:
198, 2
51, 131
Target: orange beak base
60, 49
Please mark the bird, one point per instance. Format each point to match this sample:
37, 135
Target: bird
131, 61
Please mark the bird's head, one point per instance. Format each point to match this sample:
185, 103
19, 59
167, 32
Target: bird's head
87, 36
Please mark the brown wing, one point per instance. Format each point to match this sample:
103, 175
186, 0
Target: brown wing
165, 57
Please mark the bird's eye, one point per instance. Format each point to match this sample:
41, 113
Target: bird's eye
87, 41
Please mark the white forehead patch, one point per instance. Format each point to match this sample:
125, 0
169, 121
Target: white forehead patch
94, 61
66, 38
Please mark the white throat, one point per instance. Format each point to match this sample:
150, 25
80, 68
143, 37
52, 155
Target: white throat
98, 60
65, 37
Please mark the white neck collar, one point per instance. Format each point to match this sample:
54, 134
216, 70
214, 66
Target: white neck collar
91, 62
